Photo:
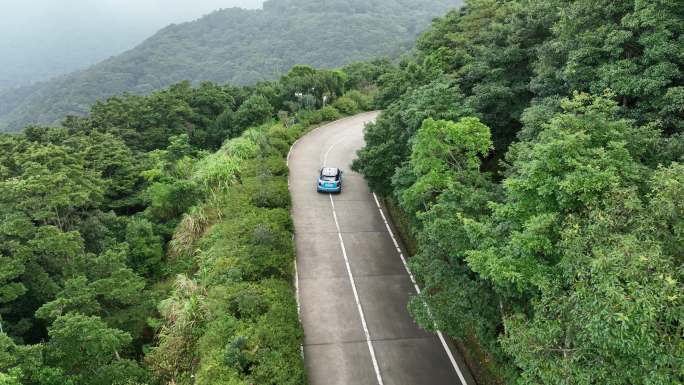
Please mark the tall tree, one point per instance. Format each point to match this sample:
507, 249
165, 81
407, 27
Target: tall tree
573, 242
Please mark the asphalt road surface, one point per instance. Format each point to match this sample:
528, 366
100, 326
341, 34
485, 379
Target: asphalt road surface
352, 281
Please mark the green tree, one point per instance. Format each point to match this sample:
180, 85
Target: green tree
25, 364
440, 188
574, 249
10, 287
84, 346
388, 138
223, 128
50, 185
146, 252
114, 162
365, 75
626, 46
102, 285
441, 152
254, 111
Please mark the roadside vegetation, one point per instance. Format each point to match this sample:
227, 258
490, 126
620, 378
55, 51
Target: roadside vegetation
536, 149
150, 242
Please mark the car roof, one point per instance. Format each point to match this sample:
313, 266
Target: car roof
329, 171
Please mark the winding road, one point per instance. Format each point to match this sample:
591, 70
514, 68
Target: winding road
353, 284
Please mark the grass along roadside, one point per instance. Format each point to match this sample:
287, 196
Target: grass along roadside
234, 319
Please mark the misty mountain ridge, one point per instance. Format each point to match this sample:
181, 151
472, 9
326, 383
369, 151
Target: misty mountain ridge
68, 36
234, 46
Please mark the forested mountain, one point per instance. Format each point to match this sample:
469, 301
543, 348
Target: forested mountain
536, 149
236, 46
63, 38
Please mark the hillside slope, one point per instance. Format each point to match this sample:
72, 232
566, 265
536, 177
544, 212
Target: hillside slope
232, 45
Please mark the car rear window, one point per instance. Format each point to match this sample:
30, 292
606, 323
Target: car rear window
329, 172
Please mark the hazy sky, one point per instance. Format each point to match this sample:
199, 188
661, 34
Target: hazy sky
41, 38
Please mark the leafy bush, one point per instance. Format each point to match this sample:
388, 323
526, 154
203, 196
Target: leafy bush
248, 330
217, 171
346, 105
240, 148
329, 113
254, 111
146, 252
280, 132
363, 101
279, 146
256, 337
268, 192
307, 117
168, 200
273, 165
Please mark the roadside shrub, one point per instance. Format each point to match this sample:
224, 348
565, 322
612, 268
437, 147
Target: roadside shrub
249, 331
216, 171
235, 355
295, 131
307, 117
276, 166
253, 245
241, 148
279, 330
268, 192
346, 105
273, 165
248, 305
329, 113
269, 255
363, 101
168, 200
257, 136
280, 146
280, 132
254, 337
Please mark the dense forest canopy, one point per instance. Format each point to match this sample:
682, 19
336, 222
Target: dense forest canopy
122, 258
233, 46
537, 149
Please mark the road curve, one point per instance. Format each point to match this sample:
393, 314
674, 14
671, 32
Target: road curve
353, 287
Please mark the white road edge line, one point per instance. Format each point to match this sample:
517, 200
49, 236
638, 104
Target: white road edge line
296, 271
376, 367
415, 286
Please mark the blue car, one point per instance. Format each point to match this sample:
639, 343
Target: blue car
330, 180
